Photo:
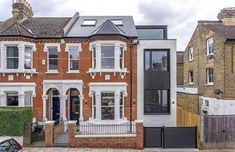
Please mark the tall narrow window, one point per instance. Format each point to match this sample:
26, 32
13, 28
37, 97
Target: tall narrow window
28, 57
12, 56
121, 58
210, 46
94, 58
190, 77
73, 58
12, 99
190, 54
121, 105
209, 73
28, 99
107, 57
94, 105
107, 106
53, 58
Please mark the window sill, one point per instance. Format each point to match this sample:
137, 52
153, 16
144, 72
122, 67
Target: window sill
107, 70
190, 84
52, 72
210, 84
190, 60
31, 71
71, 72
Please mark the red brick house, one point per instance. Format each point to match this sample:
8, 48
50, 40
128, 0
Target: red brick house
71, 68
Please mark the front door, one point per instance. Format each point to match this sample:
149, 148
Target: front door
56, 108
74, 105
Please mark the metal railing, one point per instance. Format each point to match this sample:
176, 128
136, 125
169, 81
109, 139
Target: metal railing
87, 128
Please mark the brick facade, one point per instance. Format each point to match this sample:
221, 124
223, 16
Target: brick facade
222, 62
84, 65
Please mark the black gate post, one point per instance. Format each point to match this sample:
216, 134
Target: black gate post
163, 137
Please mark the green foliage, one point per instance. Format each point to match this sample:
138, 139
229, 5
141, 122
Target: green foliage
12, 120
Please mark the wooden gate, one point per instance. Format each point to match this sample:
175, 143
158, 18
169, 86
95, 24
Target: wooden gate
219, 132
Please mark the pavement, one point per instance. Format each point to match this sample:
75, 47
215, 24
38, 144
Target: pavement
39, 149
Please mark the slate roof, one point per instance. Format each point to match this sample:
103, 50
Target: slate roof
39, 27
228, 32
108, 28
127, 29
52, 27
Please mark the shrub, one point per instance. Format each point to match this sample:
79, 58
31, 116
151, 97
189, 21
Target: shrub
12, 120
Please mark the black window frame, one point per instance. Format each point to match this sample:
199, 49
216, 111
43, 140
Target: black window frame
157, 50
155, 112
163, 27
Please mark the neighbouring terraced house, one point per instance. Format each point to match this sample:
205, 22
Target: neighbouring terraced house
92, 69
209, 64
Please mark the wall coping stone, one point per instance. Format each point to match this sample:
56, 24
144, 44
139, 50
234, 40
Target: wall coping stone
105, 136
49, 122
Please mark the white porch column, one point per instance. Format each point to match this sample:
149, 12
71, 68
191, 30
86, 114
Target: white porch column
81, 108
44, 100
3, 100
63, 107
98, 105
117, 106
21, 99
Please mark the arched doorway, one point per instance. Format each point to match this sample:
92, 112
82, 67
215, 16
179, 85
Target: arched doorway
74, 104
54, 104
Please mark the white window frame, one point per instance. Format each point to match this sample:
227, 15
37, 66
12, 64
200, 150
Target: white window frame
89, 22
117, 46
13, 57
46, 49
190, 77
122, 106
67, 49
122, 59
208, 75
108, 106
31, 56
111, 57
109, 87
190, 54
21, 48
209, 42
31, 98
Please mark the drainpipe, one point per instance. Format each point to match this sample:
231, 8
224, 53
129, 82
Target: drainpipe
131, 47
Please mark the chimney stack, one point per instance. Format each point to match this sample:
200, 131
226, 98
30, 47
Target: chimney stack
21, 9
227, 16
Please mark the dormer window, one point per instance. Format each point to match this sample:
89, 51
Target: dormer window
210, 46
89, 22
117, 22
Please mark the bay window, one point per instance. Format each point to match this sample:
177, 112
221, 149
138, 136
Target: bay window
12, 56
107, 57
107, 106
12, 99
52, 58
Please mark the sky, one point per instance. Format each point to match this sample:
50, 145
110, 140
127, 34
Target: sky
180, 16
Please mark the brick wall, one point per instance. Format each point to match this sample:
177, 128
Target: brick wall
201, 62
106, 141
188, 102
180, 74
85, 64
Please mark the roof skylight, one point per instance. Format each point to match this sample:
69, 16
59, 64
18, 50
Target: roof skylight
89, 22
117, 21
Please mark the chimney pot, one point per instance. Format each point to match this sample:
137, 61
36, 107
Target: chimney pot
227, 16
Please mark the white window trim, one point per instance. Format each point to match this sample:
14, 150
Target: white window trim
21, 48
207, 77
117, 45
190, 52
189, 77
68, 45
46, 49
207, 46
112, 87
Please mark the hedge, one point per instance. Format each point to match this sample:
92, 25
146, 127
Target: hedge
12, 120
